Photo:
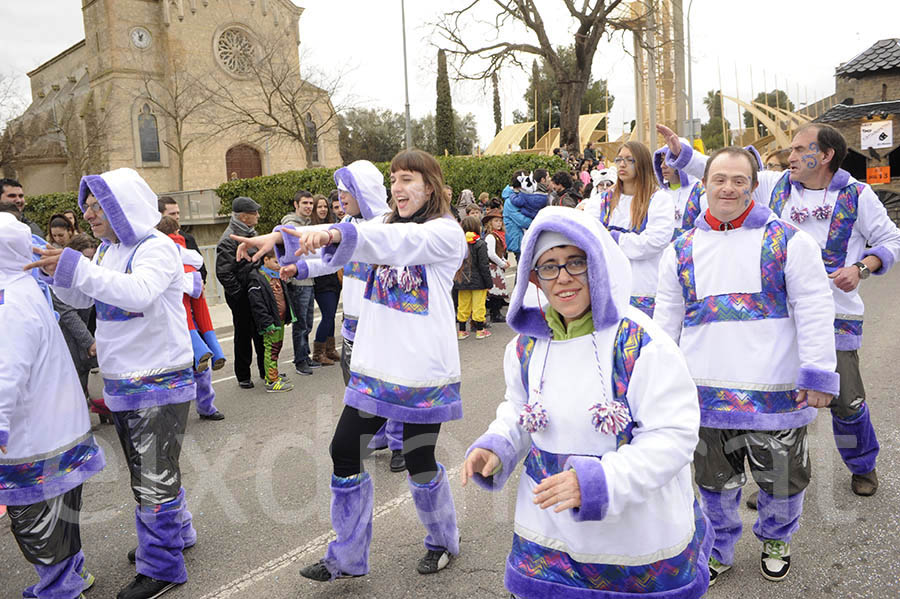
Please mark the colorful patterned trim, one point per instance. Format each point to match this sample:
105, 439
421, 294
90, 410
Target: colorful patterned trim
630, 339
540, 464
138, 385
524, 349
347, 482
412, 300
349, 325
644, 303
691, 211
846, 326
780, 194
45, 471
410, 397
108, 313
770, 302
542, 564
357, 270
720, 399
2, 296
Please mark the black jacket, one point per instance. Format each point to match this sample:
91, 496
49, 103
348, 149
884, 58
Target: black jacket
191, 244
568, 198
476, 271
263, 307
232, 275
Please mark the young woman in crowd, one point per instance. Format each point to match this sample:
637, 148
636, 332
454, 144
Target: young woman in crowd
61, 230
415, 255
327, 290
639, 217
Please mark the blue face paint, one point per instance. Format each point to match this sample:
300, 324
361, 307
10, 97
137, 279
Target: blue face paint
810, 160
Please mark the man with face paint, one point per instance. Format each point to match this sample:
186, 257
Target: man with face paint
856, 238
746, 296
136, 282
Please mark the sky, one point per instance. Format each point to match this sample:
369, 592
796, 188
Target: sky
741, 43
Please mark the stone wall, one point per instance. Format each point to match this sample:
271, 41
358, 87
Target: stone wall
868, 88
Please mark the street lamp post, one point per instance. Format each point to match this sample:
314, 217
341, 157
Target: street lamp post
690, 78
405, 77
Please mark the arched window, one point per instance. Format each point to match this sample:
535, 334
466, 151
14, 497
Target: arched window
312, 137
149, 135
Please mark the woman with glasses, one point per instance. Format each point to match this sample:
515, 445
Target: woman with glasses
605, 506
777, 160
638, 215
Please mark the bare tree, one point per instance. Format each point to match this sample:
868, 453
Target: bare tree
605, 16
79, 128
11, 106
183, 100
282, 105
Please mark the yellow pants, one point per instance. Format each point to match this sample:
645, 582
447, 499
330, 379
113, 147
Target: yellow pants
471, 303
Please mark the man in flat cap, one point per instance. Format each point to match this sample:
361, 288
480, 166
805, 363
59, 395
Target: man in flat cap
232, 275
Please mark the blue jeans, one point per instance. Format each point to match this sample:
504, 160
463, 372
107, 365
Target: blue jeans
328, 301
303, 304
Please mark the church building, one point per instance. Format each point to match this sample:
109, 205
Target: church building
174, 89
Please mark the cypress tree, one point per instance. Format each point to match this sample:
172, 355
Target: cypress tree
443, 114
498, 120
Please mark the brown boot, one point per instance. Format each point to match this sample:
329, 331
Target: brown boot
319, 354
864, 485
330, 352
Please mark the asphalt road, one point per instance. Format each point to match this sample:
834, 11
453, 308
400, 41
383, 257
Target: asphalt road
258, 486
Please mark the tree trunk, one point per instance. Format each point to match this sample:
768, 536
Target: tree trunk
570, 95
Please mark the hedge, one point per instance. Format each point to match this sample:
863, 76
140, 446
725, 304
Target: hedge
275, 193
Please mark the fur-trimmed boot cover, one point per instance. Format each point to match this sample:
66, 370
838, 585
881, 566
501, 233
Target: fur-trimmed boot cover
856, 441
779, 517
188, 532
722, 511
434, 504
390, 435
218, 355
351, 517
205, 393
161, 541
62, 580
202, 353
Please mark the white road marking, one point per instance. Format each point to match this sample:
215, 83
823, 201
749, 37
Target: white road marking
308, 552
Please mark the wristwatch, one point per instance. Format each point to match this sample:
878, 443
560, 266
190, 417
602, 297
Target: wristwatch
864, 271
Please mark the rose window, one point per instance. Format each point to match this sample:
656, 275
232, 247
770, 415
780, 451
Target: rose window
235, 51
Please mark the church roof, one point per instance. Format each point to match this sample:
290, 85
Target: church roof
844, 112
881, 56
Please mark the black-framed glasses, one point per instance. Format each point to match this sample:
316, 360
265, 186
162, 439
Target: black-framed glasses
620, 161
550, 272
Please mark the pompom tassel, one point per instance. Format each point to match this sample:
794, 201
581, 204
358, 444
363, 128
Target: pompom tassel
533, 418
610, 418
822, 212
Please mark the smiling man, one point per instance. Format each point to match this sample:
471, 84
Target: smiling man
746, 297
11, 190
843, 216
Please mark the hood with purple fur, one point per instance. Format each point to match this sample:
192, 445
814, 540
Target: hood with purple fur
658, 157
365, 183
609, 272
15, 248
127, 201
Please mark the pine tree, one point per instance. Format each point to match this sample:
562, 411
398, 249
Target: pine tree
443, 114
498, 120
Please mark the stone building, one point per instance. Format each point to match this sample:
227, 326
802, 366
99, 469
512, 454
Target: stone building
867, 91
153, 86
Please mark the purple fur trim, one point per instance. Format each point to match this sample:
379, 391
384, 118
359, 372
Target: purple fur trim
336, 255
530, 321
4, 438
594, 492
721, 509
197, 291
814, 379
58, 581
160, 544
754, 421
55, 488
615, 235
658, 157
302, 270
683, 158
839, 181
96, 185
434, 505
759, 162
64, 274
433, 415
847, 342
161, 397
504, 450
758, 217
701, 222
351, 518
883, 254
205, 393
856, 441
345, 175
778, 517
285, 251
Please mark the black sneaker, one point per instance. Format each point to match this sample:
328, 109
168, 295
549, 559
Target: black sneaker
217, 415
303, 368
144, 587
313, 363
434, 561
248, 384
398, 462
716, 569
320, 573
775, 561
